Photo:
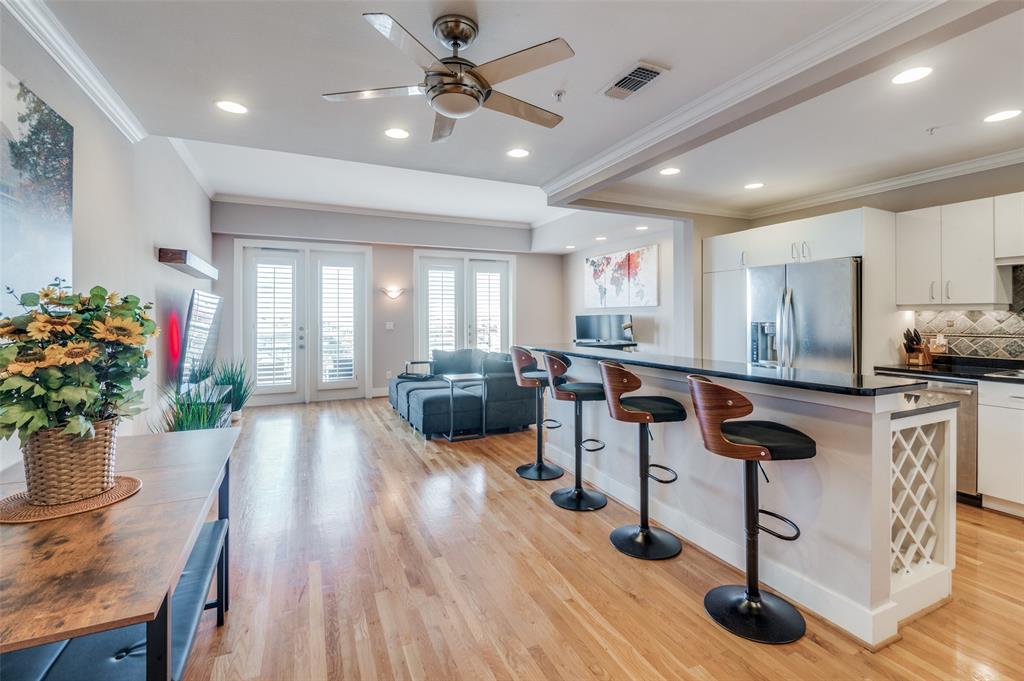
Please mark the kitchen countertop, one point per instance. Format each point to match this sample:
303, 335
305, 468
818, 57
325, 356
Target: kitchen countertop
923, 402
955, 368
806, 379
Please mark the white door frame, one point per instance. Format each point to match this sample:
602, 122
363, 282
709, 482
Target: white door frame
419, 254
305, 248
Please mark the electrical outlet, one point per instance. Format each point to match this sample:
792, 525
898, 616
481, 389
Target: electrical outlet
389, 326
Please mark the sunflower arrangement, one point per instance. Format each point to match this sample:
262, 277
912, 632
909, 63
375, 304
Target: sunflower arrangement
68, 360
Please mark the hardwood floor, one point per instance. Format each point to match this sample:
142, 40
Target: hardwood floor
360, 551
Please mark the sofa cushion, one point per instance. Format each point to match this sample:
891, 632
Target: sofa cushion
432, 402
403, 389
30, 664
466, 361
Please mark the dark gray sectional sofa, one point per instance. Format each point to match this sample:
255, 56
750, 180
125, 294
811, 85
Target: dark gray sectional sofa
424, 402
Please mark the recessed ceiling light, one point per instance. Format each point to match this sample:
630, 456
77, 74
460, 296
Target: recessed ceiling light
232, 107
1002, 116
753, 185
517, 153
641, 228
910, 75
600, 238
570, 247
669, 171
397, 133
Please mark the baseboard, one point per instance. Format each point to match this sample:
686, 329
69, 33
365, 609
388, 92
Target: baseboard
379, 392
870, 628
1003, 506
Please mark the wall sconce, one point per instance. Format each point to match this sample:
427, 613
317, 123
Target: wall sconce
393, 292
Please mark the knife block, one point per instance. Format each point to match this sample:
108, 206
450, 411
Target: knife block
921, 356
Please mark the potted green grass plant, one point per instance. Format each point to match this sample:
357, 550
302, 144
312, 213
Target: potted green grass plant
235, 376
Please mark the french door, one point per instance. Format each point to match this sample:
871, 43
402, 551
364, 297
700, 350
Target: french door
463, 302
304, 324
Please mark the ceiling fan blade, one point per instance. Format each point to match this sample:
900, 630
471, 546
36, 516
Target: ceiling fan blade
406, 42
403, 91
443, 127
499, 101
524, 61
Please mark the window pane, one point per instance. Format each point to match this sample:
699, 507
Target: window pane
337, 323
440, 310
275, 317
488, 311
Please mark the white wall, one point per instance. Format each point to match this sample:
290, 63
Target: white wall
128, 200
538, 300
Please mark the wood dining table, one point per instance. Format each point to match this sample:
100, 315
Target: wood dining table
117, 565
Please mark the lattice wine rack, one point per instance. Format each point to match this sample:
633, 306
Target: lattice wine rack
915, 496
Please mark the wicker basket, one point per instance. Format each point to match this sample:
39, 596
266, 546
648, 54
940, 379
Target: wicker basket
60, 469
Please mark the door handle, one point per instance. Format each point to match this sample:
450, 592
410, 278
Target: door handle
793, 252
780, 329
804, 250
931, 291
790, 324
743, 258
948, 282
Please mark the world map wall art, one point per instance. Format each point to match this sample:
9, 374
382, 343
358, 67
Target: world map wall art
623, 279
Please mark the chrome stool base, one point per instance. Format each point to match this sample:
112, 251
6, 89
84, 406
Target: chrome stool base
647, 544
770, 619
574, 499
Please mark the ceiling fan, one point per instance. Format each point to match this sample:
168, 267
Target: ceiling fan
456, 87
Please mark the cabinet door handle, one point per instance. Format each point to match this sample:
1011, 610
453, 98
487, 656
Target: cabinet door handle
931, 291
948, 282
804, 250
743, 258
792, 251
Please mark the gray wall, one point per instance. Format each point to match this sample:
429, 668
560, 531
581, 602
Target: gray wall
128, 200
538, 297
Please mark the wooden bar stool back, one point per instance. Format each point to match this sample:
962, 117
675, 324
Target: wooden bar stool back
529, 375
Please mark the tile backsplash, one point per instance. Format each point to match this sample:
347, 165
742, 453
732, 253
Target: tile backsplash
981, 334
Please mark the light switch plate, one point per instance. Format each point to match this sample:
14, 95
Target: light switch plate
389, 326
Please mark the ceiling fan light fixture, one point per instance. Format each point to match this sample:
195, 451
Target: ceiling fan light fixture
454, 100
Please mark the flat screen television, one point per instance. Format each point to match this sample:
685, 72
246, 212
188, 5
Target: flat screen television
199, 344
604, 327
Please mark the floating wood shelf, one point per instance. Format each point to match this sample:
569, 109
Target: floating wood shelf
188, 262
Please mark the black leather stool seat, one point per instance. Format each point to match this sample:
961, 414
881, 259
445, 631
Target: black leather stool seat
541, 376
663, 409
782, 442
585, 392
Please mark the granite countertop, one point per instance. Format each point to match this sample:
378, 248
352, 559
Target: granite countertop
965, 369
806, 379
923, 402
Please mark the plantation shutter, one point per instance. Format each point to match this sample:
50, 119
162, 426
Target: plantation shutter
337, 323
441, 309
488, 311
275, 322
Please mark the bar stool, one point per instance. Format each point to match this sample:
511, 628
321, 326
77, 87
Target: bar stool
745, 610
529, 376
575, 498
641, 541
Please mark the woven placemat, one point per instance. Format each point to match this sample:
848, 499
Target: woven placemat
16, 509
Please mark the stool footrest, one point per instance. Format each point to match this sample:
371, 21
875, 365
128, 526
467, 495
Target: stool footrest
592, 444
551, 424
664, 481
778, 535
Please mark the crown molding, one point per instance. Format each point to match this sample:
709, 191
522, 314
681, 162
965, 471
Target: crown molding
870, 21
674, 208
51, 35
193, 167
352, 210
946, 172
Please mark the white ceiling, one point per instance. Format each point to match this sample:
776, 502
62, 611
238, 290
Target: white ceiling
862, 132
234, 172
169, 61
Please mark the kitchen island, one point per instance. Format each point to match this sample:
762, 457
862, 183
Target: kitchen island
875, 507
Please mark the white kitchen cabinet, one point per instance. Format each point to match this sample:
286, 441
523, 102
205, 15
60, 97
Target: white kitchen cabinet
945, 256
837, 235
725, 315
725, 252
968, 260
1009, 226
919, 257
1001, 440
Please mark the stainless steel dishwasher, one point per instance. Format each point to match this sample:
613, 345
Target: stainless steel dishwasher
966, 428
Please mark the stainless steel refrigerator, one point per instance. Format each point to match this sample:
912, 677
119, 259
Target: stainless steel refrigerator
805, 315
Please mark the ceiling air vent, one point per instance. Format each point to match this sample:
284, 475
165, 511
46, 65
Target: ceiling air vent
631, 81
